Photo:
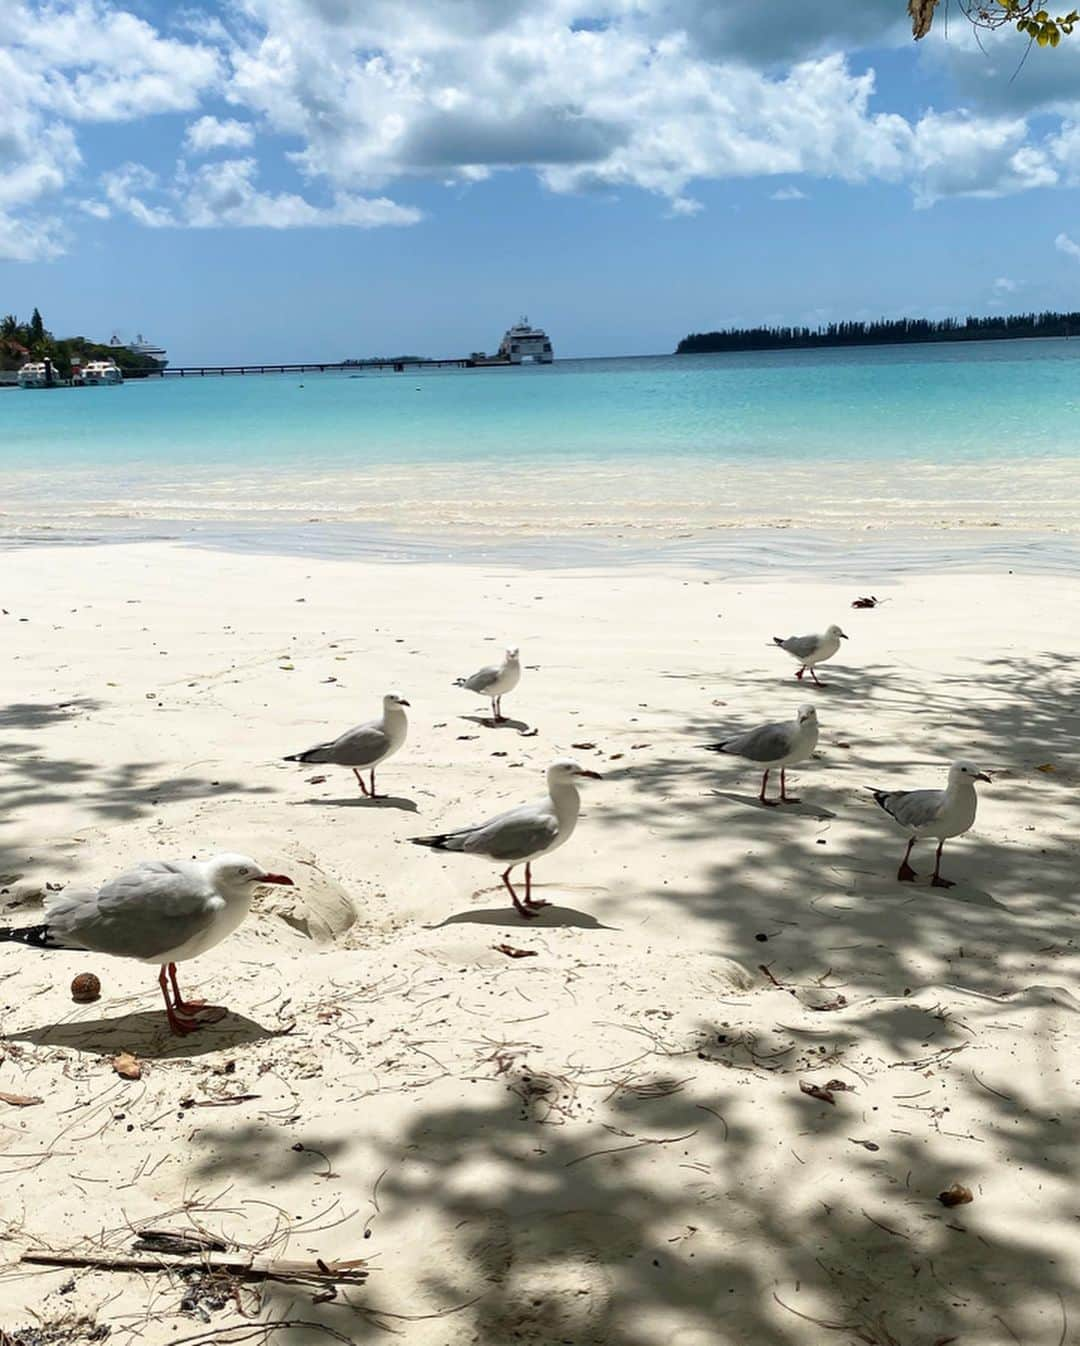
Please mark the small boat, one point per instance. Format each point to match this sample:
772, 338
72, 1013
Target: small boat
39, 374
97, 372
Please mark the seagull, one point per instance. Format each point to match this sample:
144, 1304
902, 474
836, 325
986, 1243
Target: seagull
162, 911
811, 650
525, 833
366, 745
934, 813
775, 745
495, 681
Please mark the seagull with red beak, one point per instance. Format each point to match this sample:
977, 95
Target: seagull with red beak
522, 835
934, 813
161, 911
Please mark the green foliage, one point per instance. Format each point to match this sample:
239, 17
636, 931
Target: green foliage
20, 341
884, 332
1026, 16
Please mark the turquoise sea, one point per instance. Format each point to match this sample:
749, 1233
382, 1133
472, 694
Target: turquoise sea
942, 436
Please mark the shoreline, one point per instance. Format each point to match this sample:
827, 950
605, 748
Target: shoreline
724, 551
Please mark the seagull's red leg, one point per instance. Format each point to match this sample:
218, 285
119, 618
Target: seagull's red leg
519, 905
182, 1005
198, 1011
360, 781
815, 677
784, 796
178, 1025
937, 880
761, 797
373, 794
905, 873
800, 673
529, 902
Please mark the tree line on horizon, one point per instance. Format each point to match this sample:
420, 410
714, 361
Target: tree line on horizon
32, 340
882, 332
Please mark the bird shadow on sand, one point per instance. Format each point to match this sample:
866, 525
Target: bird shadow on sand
360, 802
959, 892
802, 809
547, 918
486, 722
146, 1033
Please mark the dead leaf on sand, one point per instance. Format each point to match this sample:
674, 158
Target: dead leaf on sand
127, 1066
511, 952
19, 1100
956, 1195
816, 1091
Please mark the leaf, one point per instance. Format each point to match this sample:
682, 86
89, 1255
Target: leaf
511, 952
1047, 768
20, 1100
127, 1066
816, 1091
956, 1195
922, 16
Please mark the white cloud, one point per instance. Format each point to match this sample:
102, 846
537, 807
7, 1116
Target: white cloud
97, 210
87, 60
653, 95
224, 194
30, 239
1065, 244
125, 189
956, 154
1004, 285
210, 133
685, 206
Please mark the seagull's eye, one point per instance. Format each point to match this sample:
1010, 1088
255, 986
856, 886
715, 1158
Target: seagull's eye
243, 871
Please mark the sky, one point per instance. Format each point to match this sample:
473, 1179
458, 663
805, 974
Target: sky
318, 179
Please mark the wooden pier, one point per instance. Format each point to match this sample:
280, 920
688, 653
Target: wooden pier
316, 367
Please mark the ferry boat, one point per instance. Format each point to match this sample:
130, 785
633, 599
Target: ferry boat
96, 372
522, 342
140, 346
39, 374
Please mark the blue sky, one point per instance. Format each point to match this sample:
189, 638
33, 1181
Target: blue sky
299, 179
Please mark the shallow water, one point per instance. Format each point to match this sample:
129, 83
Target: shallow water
910, 437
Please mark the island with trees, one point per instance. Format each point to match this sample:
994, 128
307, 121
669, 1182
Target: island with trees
882, 332
23, 341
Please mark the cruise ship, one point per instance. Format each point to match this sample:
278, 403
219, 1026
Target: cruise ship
140, 346
524, 343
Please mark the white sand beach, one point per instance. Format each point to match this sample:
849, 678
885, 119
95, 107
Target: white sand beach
607, 1141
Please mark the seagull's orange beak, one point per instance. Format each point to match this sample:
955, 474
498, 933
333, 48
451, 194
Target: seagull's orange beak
277, 878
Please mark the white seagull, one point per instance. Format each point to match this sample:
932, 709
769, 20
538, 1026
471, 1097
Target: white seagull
934, 813
525, 833
365, 746
162, 911
811, 650
775, 745
495, 681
